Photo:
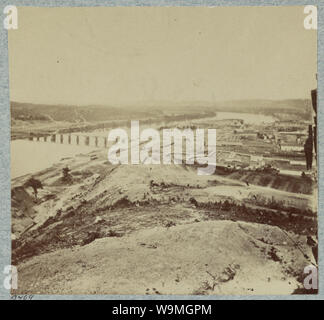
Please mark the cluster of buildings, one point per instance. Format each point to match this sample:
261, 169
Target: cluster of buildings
236, 160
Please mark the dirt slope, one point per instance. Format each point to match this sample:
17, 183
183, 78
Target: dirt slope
219, 257
121, 229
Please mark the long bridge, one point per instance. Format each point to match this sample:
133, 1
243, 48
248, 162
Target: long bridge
73, 139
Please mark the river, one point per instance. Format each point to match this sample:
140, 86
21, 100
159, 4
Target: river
31, 156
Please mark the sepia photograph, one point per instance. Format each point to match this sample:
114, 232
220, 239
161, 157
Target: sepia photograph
164, 150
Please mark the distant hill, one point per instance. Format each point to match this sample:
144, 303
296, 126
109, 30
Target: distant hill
302, 106
29, 111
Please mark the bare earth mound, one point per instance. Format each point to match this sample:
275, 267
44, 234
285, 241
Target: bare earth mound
214, 257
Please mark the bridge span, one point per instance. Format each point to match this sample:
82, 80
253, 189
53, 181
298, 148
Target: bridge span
71, 138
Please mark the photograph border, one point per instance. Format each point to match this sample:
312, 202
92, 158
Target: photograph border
5, 180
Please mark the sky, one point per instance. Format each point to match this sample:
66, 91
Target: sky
129, 55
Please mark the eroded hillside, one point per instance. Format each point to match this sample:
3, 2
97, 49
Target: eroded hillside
133, 212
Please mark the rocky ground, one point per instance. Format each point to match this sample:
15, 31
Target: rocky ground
140, 229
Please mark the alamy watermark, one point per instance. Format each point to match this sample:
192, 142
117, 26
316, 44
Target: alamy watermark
310, 21
311, 280
145, 147
11, 277
11, 17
